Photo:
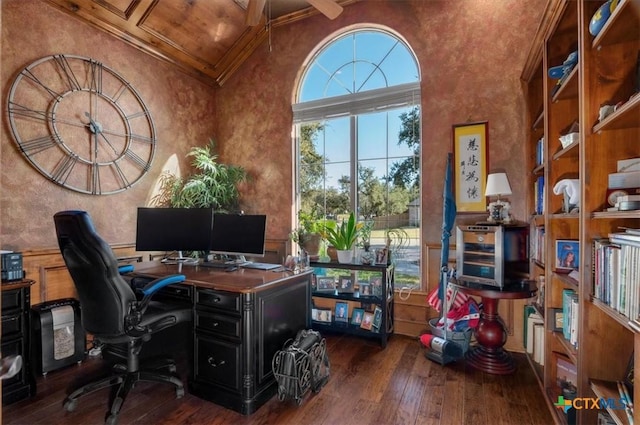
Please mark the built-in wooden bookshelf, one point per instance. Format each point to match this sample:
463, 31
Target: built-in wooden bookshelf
606, 74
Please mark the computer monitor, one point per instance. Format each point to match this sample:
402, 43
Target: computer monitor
174, 229
238, 234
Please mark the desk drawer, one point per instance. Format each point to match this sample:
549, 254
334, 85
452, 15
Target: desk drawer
223, 300
217, 323
12, 325
218, 362
13, 299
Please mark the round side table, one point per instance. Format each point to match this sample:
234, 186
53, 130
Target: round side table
491, 335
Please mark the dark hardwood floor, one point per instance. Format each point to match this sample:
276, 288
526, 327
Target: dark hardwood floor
367, 385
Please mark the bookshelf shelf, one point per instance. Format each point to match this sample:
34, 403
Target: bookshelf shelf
609, 391
606, 74
615, 315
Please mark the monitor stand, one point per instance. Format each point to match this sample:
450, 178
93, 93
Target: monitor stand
180, 259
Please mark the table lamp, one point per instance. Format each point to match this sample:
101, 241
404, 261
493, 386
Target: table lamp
498, 185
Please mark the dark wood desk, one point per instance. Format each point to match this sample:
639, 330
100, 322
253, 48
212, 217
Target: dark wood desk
240, 320
491, 335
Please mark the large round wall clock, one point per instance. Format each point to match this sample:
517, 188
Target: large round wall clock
81, 125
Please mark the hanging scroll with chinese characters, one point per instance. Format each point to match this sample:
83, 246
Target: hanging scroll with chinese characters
471, 160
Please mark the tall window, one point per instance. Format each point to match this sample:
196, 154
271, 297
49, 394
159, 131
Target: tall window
358, 140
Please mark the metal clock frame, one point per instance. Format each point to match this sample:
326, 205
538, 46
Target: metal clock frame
113, 161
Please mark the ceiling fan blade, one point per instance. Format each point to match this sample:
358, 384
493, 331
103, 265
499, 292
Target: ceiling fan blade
328, 8
254, 12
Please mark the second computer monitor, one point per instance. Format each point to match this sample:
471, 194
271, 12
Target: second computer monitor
236, 234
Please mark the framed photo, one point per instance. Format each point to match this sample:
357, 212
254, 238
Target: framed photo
365, 289
325, 284
367, 306
376, 285
342, 312
367, 320
321, 315
556, 319
345, 284
471, 165
382, 256
377, 317
356, 316
567, 255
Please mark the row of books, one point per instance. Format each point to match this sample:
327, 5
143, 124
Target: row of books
616, 271
540, 151
534, 334
538, 246
570, 308
538, 190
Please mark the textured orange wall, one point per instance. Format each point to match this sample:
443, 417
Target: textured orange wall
182, 108
471, 55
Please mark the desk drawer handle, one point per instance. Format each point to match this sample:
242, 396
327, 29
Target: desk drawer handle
213, 363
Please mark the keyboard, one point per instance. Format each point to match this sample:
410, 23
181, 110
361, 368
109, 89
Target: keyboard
216, 264
259, 266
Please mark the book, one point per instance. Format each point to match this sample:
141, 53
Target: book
566, 312
533, 320
538, 344
624, 180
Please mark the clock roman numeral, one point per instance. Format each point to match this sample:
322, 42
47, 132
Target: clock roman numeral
67, 72
39, 144
119, 92
120, 173
143, 113
63, 169
27, 73
95, 188
141, 163
24, 111
95, 77
140, 138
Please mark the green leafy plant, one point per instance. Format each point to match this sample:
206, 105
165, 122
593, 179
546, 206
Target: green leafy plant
214, 185
308, 224
344, 235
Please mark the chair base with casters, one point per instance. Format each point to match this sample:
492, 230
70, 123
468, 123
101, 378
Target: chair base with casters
124, 377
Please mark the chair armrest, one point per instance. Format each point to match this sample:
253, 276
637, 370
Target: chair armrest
151, 287
138, 308
125, 269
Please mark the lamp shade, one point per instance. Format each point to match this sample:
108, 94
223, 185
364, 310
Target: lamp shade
497, 184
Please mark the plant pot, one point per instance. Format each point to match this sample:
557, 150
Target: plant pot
332, 252
311, 244
345, 256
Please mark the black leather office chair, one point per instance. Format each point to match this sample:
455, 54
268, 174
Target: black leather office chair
110, 310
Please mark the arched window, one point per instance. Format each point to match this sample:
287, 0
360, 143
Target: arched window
357, 118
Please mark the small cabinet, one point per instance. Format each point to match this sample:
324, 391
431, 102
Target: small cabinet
16, 339
492, 255
368, 289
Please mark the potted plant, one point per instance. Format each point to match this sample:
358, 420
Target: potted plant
215, 185
308, 233
342, 236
